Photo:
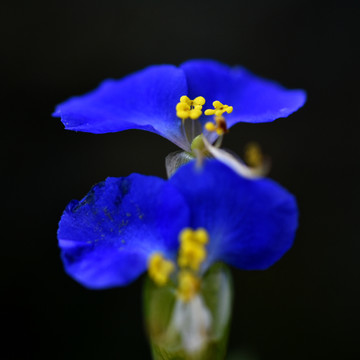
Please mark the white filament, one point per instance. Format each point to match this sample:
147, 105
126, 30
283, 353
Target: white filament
232, 162
193, 321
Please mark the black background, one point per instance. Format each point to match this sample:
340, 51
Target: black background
304, 307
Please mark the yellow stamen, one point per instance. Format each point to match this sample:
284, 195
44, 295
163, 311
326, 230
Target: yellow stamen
188, 108
253, 155
160, 269
220, 125
192, 250
188, 285
209, 126
219, 109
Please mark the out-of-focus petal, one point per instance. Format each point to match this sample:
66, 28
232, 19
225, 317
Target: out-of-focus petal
251, 223
107, 237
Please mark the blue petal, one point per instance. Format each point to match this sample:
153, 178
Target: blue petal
254, 99
107, 237
144, 100
251, 223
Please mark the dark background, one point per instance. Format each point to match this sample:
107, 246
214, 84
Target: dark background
304, 307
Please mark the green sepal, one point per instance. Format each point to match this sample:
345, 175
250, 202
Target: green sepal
159, 303
176, 159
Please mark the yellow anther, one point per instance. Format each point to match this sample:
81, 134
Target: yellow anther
186, 234
220, 125
195, 113
209, 126
198, 236
201, 236
188, 108
191, 255
160, 269
253, 155
192, 250
182, 110
199, 101
185, 100
219, 109
188, 286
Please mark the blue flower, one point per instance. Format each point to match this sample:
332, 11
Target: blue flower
149, 100
181, 226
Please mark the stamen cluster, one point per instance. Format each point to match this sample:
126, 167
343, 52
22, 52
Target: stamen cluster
160, 269
220, 126
192, 253
219, 109
188, 108
192, 109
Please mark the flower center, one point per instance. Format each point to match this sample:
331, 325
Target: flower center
192, 253
192, 109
